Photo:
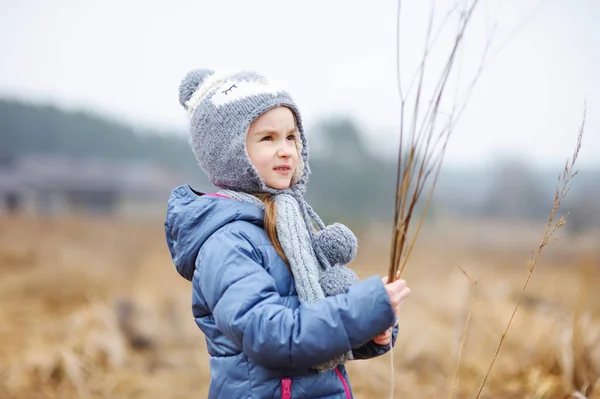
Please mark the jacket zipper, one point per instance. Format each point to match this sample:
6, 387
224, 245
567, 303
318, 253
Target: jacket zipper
344, 383
286, 388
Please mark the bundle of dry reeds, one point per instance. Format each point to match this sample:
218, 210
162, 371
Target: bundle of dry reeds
424, 136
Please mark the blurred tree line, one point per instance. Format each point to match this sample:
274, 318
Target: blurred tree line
27, 129
349, 183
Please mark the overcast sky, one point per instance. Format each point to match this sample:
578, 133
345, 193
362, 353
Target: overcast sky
126, 59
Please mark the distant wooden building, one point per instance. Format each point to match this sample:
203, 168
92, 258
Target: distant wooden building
57, 186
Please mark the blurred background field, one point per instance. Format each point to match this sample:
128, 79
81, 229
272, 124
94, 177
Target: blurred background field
92, 308
93, 139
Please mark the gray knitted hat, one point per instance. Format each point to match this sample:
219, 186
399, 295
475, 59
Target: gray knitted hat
221, 107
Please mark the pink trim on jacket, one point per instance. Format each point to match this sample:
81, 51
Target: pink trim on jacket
344, 383
286, 388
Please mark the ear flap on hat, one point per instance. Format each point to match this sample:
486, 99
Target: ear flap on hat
300, 166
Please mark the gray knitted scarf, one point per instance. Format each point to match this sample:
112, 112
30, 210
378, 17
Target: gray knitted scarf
317, 258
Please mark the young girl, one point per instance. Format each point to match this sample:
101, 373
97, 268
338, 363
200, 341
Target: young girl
280, 310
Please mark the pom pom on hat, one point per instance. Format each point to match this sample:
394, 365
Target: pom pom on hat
190, 84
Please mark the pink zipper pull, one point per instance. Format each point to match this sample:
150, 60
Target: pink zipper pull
286, 388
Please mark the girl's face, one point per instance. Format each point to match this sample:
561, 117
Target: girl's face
271, 146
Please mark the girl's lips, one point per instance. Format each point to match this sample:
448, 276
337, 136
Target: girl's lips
284, 170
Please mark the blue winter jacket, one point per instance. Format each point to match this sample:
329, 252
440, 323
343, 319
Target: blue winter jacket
262, 342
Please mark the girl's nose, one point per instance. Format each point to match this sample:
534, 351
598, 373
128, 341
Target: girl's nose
284, 153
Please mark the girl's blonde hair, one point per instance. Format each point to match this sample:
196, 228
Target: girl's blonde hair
269, 221
270, 227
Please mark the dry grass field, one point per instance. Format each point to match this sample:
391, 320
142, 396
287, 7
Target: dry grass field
93, 308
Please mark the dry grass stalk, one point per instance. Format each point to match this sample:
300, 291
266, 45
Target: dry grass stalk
551, 227
465, 331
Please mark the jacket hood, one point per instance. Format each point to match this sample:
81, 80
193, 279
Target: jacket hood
192, 217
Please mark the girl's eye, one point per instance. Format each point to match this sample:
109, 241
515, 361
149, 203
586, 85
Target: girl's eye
291, 137
266, 138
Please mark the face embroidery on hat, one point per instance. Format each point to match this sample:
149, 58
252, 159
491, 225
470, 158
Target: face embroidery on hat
235, 90
228, 90
211, 83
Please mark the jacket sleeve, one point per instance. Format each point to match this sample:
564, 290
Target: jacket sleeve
248, 310
371, 349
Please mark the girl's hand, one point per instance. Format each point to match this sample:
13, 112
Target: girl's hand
384, 338
397, 291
